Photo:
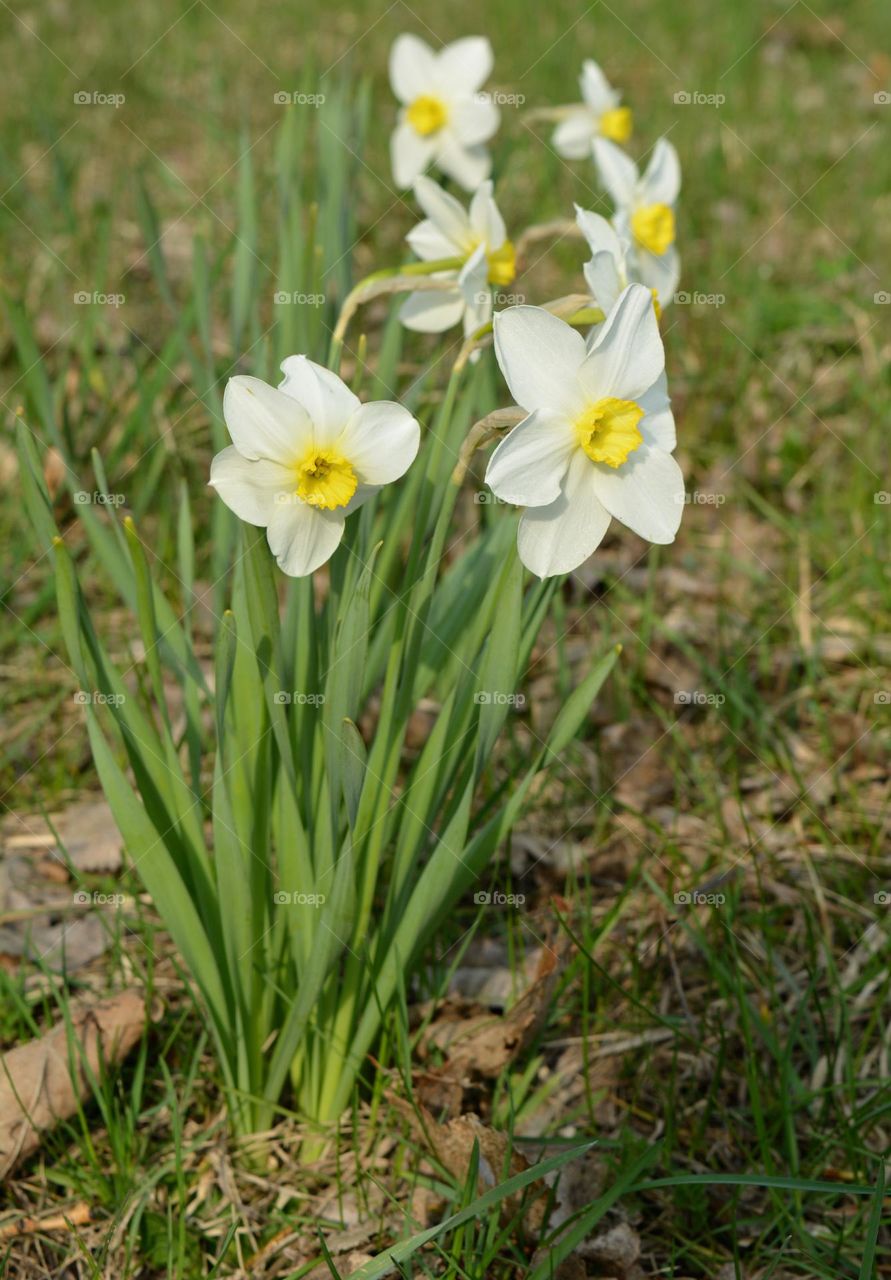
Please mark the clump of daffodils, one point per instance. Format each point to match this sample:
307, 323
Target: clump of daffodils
644, 218
445, 119
599, 115
597, 440
306, 454
478, 238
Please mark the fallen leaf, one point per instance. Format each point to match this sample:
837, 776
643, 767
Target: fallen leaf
37, 1087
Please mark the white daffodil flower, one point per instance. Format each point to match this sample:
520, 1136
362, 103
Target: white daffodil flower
614, 264
599, 116
477, 235
645, 205
306, 454
445, 119
599, 434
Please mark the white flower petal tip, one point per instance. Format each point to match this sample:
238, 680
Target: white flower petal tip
304, 456
444, 119
597, 439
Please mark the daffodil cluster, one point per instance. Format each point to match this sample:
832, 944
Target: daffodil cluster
596, 432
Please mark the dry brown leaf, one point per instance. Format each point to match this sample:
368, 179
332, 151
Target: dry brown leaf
36, 1084
452, 1145
483, 1043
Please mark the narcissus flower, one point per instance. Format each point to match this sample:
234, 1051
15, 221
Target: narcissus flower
599, 434
478, 236
445, 119
615, 264
598, 116
306, 454
645, 205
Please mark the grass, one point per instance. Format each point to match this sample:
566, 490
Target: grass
758, 1022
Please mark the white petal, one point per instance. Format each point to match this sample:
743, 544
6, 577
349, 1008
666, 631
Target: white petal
381, 441
469, 166
466, 63
560, 537
263, 422
603, 280
302, 537
618, 172
597, 91
428, 242
410, 154
627, 355
662, 272
485, 218
250, 489
540, 357
646, 493
473, 278
662, 180
477, 313
657, 424
412, 68
325, 397
445, 212
599, 233
474, 120
572, 137
528, 466
432, 310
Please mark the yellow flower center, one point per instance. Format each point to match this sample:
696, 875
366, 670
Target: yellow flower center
426, 114
652, 225
325, 479
608, 431
616, 124
502, 264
